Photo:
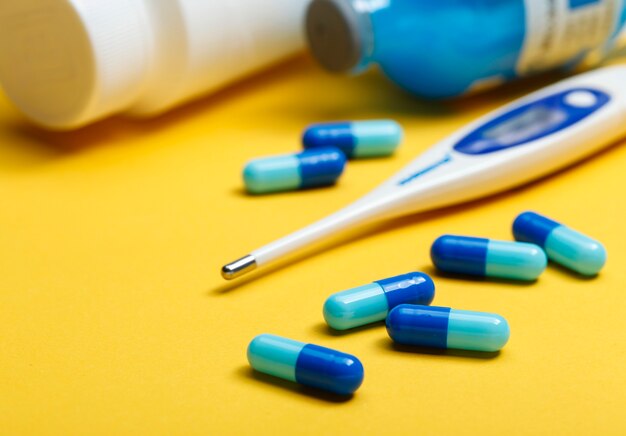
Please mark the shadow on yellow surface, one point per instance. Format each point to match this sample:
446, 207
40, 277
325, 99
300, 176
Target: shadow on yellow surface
325, 329
29, 144
389, 345
241, 192
571, 273
248, 373
26, 145
434, 272
552, 265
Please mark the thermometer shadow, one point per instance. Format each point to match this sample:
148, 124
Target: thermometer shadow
389, 345
395, 224
247, 373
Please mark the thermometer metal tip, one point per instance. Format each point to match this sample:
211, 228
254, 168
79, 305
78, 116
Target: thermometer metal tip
239, 267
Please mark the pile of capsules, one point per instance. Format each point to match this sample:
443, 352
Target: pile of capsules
326, 148
404, 302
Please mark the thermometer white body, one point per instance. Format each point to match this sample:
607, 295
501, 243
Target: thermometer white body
527, 139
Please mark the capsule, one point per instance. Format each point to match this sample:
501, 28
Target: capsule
488, 258
563, 245
309, 169
442, 327
357, 139
307, 364
372, 302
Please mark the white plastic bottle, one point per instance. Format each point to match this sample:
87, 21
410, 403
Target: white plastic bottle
67, 63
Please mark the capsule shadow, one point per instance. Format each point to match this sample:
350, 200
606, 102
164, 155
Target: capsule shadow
364, 160
250, 374
242, 192
432, 271
389, 345
571, 272
325, 329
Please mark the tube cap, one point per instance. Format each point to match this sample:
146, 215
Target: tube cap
65, 63
333, 33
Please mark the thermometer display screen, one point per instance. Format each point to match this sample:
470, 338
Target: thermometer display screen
530, 122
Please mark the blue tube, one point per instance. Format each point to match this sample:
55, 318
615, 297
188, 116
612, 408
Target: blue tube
563, 245
442, 49
442, 327
307, 364
372, 302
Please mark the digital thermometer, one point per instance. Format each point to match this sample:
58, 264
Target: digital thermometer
527, 139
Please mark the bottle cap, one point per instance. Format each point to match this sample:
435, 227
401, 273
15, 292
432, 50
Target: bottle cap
65, 63
333, 32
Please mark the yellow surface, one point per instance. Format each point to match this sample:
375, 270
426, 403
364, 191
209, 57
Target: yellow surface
114, 320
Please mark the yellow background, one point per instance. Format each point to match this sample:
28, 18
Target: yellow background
114, 319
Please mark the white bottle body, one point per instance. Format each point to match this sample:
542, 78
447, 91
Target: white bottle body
207, 44
67, 63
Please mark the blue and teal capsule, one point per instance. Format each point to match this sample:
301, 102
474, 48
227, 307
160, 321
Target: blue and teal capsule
357, 139
488, 258
307, 364
372, 302
563, 245
310, 169
442, 327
